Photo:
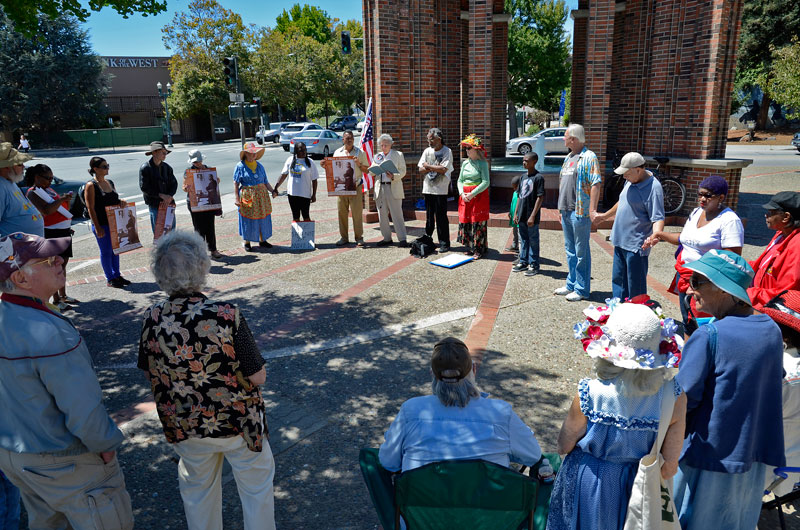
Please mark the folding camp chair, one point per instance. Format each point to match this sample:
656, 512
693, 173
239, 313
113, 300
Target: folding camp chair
777, 502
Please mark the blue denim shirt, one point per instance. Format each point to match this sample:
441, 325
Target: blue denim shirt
52, 402
426, 431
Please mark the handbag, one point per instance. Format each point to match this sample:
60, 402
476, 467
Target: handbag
651, 506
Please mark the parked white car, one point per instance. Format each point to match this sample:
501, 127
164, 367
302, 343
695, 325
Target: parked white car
272, 134
553, 142
360, 125
296, 128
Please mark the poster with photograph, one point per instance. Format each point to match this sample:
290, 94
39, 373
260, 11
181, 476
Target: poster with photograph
203, 189
164, 220
303, 235
122, 224
340, 174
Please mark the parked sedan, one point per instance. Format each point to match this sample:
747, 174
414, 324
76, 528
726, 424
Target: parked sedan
345, 123
796, 141
294, 129
318, 143
553, 142
273, 133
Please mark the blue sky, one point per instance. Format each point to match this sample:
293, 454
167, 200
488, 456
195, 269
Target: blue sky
111, 34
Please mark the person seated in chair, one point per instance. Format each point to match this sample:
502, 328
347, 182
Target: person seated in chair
457, 422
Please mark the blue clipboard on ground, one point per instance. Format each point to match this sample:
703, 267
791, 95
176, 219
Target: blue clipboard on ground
451, 261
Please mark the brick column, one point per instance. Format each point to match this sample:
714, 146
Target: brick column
597, 97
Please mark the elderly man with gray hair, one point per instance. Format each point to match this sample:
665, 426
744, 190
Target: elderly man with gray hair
436, 164
457, 422
389, 193
205, 370
578, 195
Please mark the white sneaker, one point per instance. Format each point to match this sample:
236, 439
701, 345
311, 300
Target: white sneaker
575, 297
561, 291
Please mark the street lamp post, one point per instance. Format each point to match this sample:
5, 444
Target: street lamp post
164, 96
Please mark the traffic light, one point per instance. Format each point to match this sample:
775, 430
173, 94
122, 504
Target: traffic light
231, 72
345, 42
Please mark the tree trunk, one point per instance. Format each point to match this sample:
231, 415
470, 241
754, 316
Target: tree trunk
512, 121
213, 130
763, 112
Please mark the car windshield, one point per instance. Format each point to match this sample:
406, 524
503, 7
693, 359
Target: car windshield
291, 128
308, 134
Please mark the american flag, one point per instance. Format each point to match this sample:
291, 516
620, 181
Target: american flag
365, 144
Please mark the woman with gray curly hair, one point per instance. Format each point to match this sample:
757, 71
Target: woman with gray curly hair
205, 370
389, 192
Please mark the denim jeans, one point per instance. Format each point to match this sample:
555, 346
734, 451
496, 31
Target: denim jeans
9, 504
108, 260
579, 257
529, 244
629, 274
154, 216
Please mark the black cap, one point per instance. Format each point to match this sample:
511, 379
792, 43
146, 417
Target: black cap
786, 201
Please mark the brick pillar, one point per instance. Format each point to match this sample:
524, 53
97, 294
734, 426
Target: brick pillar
479, 74
597, 97
579, 50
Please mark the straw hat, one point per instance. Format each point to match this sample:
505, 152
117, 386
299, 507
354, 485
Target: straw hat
251, 147
785, 309
155, 146
11, 157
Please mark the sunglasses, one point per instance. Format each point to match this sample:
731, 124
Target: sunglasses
50, 261
705, 194
695, 282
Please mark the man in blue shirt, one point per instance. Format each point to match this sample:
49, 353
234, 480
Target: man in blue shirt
457, 422
17, 214
639, 212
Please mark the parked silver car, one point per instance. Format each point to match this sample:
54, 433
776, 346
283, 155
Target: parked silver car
796, 141
296, 128
272, 134
553, 142
318, 143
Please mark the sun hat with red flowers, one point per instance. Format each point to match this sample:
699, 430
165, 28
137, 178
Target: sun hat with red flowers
634, 335
474, 141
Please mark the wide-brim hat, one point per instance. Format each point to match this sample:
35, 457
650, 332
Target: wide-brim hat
727, 270
11, 157
155, 146
195, 156
19, 248
785, 309
474, 141
251, 147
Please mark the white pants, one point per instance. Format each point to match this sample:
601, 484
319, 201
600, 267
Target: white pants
386, 204
200, 481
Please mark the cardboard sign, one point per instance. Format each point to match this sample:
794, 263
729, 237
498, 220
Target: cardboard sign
303, 235
164, 220
203, 189
122, 224
340, 173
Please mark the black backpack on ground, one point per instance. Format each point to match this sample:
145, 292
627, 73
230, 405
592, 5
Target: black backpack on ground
422, 247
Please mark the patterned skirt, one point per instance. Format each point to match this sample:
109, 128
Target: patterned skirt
473, 236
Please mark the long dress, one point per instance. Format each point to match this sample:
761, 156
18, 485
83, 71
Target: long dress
473, 216
593, 486
255, 220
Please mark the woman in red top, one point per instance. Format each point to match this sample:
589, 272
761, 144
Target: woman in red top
57, 219
778, 267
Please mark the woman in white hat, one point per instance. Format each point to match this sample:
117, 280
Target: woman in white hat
614, 420
252, 190
202, 221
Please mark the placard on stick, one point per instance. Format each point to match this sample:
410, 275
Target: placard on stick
123, 227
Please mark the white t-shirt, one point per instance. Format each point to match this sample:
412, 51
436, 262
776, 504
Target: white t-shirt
724, 231
299, 177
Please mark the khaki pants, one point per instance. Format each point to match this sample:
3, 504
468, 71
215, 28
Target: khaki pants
200, 482
388, 204
355, 204
79, 492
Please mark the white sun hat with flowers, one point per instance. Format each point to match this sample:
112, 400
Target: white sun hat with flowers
634, 335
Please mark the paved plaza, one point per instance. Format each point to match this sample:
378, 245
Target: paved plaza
347, 334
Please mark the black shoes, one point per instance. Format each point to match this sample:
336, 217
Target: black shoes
403, 244
118, 283
265, 244
384, 243
444, 247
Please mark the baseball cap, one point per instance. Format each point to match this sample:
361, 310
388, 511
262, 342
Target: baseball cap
727, 270
786, 201
19, 248
451, 361
629, 161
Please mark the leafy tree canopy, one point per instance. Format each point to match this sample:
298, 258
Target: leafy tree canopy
51, 83
538, 52
25, 15
309, 20
785, 85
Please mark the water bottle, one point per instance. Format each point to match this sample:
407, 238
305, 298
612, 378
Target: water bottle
546, 473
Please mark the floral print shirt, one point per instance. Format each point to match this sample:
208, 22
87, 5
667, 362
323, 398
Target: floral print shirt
198, 354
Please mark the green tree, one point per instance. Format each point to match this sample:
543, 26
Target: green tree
309, 20
766, 25
26, 15
538, 54
51, 83
785, 85
201, 38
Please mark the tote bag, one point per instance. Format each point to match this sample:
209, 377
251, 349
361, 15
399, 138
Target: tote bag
651, 506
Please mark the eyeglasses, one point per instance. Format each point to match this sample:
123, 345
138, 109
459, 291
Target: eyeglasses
104, 166
50, 261
695, 282
705, 194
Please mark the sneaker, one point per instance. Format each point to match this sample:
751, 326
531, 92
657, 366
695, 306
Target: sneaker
575, 297
383, 243
360, 243
116, 284
265, 244
123, 281
444, 247
519, 267
342, 242
562, 291
515, 262
532, 271
403, 244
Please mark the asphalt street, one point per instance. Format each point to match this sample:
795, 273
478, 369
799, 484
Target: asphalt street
347, 334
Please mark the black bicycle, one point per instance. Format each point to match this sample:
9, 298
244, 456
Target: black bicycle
674, 190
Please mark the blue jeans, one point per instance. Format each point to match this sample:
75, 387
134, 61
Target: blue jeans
629, 274
108, 260
154, 216
9, 504
529, 244
579, 257
710, 499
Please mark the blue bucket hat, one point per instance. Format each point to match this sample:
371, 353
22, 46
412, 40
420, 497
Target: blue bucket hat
727, 270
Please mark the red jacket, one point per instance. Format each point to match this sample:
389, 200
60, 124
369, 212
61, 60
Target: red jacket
777, 269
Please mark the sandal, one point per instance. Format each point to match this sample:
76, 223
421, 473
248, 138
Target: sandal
70, 300
477, 255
